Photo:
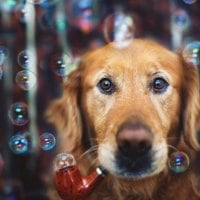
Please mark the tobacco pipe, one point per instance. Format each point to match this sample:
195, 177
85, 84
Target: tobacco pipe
69, 182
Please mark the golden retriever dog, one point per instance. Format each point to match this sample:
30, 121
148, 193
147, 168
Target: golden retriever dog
127, 110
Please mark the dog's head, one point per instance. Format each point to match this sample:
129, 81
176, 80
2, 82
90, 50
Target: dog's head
134, 103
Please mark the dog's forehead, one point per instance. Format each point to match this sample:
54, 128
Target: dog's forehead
142, 55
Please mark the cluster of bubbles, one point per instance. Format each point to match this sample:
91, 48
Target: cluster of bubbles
178, 162
118, 28
25, 79
18, 115
85, 15
20, 142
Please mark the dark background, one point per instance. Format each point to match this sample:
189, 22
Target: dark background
24, 176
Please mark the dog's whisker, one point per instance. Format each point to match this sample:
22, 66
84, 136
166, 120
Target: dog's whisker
172, 147
95, 140
92, 149
169, 146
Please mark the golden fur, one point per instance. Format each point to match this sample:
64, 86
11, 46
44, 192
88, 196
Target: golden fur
88, 120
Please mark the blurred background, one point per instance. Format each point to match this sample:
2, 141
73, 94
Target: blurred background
41, 41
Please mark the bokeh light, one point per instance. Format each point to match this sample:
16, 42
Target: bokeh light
2, 163
119, 28
47, 21
1, 72
25, 79
84, 14
191, 53
61, 21
181, 19
178, 162
64, 160
48, 3
21, 13
18, 114
189, 1
9, 5
23, 59
19, 143
35, 1
3, 54
47, 141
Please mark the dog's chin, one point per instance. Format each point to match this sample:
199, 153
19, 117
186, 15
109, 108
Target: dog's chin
133, 168
135, 175
132, 176
129, 168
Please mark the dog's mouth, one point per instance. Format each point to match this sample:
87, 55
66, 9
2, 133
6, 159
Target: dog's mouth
133, 167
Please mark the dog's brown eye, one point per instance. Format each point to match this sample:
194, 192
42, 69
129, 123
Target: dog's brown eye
159, 85
106, 86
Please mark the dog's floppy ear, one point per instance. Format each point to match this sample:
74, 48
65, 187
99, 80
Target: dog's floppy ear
64, 114
191, 105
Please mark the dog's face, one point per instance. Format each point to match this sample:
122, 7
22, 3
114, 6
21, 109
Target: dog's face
134, 102
132, 98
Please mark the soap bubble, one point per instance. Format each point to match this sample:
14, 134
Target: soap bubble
64, 160
25, 79
18, 114
47, 141
191, 53
178, 162
19, 143
119, 28
181, 19
189, 1
23, 59
62, 64
3, 54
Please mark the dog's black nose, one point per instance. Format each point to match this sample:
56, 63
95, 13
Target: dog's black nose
134, 140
